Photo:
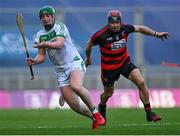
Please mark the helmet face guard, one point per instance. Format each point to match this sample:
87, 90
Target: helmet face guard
114, 16
114, 19
46, 10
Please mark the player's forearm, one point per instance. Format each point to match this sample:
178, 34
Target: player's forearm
54, 45
88, 51
39, 59
58, 43
145, 30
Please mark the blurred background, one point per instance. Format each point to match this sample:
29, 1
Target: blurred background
83, 18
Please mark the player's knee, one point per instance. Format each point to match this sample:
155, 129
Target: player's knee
141, 84
76, 88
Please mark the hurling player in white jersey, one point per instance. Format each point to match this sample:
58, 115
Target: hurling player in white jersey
69, 66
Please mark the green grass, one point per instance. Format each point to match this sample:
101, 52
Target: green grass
67, 122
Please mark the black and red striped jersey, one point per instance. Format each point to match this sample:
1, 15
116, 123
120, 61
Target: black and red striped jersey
113, 46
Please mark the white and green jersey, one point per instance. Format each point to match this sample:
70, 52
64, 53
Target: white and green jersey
61, 58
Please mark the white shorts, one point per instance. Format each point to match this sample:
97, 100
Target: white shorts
63, 76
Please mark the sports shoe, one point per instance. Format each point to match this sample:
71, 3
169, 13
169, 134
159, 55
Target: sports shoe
61, 100
102, 111
95, 125
98, 118
151, 116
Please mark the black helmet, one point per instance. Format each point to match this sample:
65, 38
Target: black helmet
114, 15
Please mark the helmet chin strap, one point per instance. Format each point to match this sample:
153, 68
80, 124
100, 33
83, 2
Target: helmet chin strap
48, 27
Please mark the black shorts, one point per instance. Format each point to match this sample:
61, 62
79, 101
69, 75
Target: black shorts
109, 77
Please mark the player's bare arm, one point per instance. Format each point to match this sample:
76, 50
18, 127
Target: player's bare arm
88, 53
40, 57
57, 44
148, 31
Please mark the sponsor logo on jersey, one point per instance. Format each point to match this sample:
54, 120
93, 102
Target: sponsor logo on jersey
109, 39
49, 36
118, 44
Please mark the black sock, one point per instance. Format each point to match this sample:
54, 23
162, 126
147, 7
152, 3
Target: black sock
103, 105
147, 107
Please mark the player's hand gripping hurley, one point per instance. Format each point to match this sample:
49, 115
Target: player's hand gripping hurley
21, 29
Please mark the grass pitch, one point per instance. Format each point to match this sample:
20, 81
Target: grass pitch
67, 122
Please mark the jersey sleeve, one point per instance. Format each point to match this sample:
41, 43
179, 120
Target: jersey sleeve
95, 39
37, 38
62, 30
98, 36
129, 29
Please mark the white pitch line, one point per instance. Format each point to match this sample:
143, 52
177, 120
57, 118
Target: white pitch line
41, 127
147, 124
111, 126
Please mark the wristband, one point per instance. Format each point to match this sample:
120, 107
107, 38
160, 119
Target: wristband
155, 33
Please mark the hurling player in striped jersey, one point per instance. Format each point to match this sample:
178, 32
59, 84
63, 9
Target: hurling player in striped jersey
115, 60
